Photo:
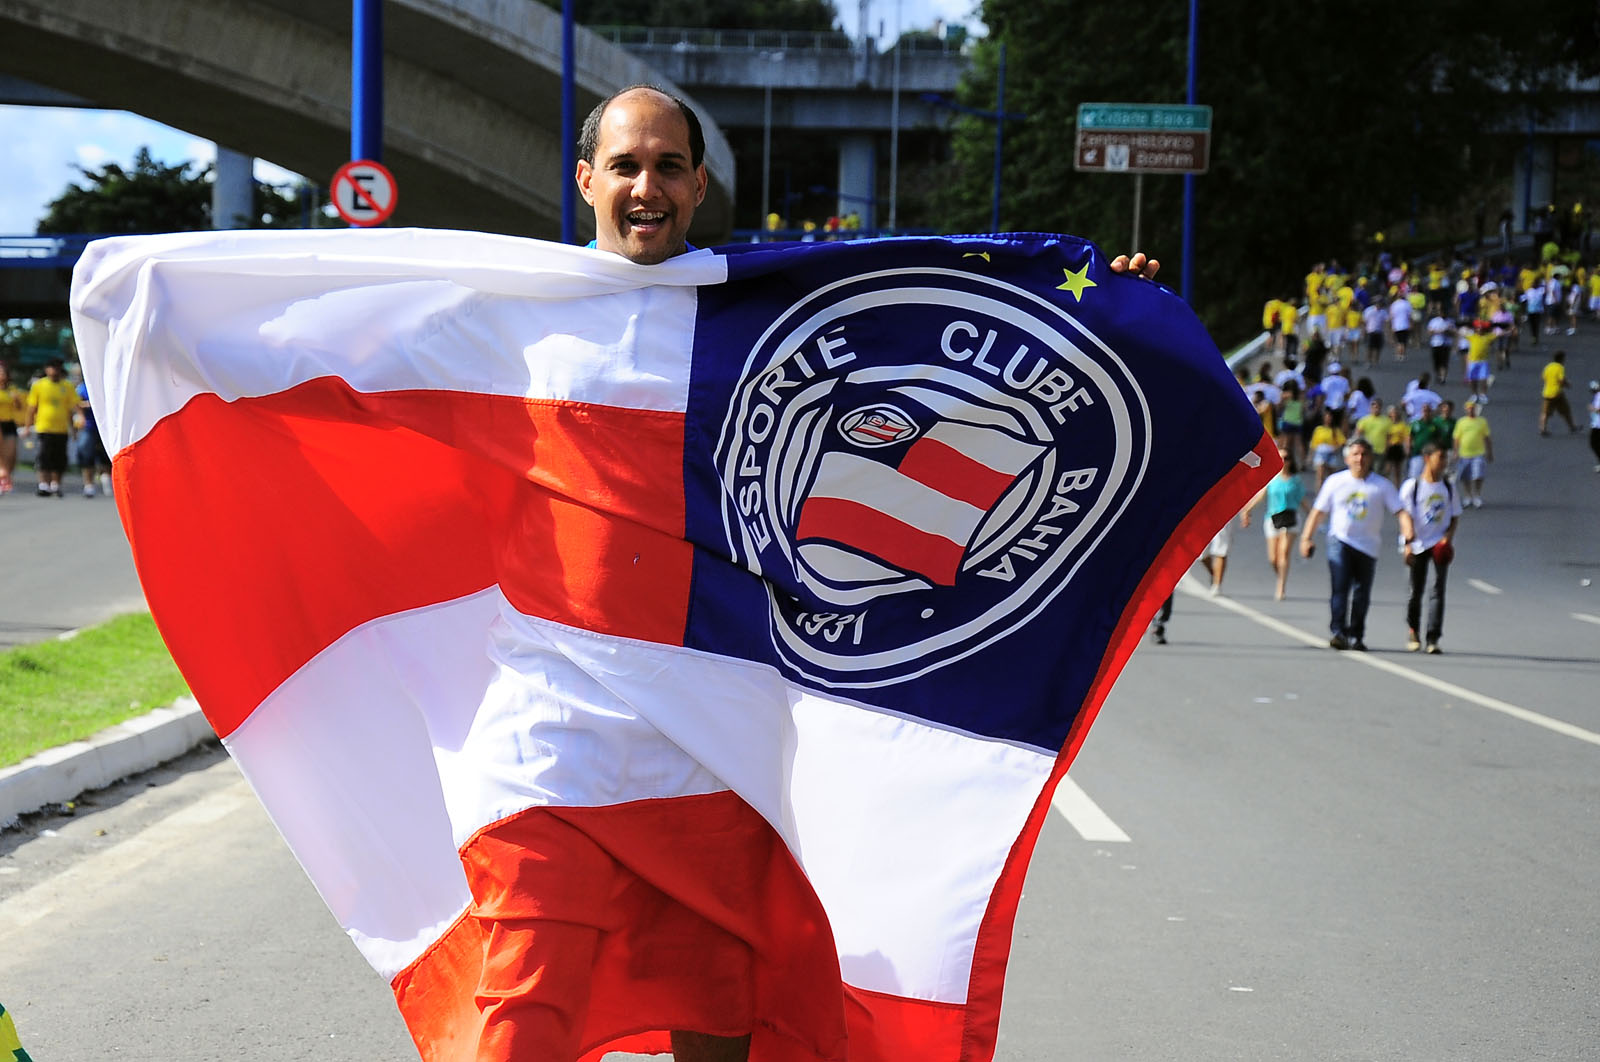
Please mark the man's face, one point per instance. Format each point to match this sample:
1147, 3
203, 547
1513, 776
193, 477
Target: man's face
642, 184
1359, 459
1435, 464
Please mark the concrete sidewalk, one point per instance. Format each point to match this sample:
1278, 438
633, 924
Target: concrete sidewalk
58, 775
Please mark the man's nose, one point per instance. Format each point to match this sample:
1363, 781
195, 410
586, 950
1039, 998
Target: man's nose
645, 183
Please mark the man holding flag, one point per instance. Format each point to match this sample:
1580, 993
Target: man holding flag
625, 674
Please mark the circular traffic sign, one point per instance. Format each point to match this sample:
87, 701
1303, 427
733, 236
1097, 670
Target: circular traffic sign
364, 193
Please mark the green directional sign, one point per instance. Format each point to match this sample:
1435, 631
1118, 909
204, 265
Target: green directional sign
1143, 138
1135, 116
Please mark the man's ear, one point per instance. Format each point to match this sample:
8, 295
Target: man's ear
583, 176
701, 182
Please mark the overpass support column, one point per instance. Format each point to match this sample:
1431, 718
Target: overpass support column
1532, 180
234, 191
858, 177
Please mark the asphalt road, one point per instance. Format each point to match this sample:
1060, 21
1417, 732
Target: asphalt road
1298, 854
66, 563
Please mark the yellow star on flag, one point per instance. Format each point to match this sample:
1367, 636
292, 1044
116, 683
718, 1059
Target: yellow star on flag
977, 254
1077, 282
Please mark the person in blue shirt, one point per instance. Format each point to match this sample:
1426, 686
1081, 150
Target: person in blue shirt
1285, 498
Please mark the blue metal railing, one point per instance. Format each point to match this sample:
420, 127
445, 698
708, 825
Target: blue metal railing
42, 252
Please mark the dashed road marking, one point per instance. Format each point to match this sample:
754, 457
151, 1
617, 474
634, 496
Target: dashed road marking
1191, 586
1584, 617
1479, 584
1084, 814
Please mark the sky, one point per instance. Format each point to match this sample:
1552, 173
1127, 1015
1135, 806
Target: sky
49, 143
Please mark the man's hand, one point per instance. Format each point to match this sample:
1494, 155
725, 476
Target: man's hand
1305, 546
1138, 265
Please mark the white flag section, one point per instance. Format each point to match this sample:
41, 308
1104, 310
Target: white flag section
411, 510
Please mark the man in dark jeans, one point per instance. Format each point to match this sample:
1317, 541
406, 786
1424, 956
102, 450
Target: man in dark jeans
1354, 501
1431, 502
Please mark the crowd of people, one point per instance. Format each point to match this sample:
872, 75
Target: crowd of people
55, 410
1351, 455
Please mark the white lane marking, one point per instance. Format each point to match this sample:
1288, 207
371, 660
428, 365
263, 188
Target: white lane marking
1479, 584
1191, 586
1586, 618
1084, 814
105, 869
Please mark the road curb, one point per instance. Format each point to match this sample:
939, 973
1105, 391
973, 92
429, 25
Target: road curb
60, 774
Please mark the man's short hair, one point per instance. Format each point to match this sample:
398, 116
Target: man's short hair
1431, 448
589, 136
1358, 443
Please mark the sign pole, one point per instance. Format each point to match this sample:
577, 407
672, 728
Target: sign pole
999, 137
1138, 201
1188, 178
366, 80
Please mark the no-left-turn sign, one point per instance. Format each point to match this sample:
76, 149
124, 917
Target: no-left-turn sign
364, 193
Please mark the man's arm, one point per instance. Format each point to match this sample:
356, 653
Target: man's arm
1306, 539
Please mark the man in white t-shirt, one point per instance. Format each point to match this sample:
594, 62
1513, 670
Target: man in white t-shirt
1400, 324
1419, 395
1335, 389
1372, 319
1441, 336
1354, 502
1434, 508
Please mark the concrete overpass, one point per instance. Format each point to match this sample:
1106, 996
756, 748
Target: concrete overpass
472, 93
809, 83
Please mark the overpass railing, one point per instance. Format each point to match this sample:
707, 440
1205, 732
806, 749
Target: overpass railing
42, 252
758, 40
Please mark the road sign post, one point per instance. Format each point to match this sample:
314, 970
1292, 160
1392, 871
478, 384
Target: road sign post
364, 193
1141, 138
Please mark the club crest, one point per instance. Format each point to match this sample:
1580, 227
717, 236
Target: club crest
916, 461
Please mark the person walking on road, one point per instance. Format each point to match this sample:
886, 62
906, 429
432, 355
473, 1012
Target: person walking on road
11, 414
1435, 510
1354, 502
1594, 421
51, 402
1474, 451
1285, 496
1554, 396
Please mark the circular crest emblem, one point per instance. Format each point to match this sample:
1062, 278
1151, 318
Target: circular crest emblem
916, 461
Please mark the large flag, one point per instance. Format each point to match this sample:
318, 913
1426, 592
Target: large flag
627, 648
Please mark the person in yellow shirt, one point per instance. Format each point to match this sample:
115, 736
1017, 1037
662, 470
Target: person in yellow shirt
1289, 336
11, 413
51, 402
1554, 395
1327, 440
1479, 345
1397, 446
1374, 427
1474, 451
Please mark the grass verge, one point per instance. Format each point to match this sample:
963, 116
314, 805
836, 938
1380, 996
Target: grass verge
60, 691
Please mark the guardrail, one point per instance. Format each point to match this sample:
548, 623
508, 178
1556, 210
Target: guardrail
759, 40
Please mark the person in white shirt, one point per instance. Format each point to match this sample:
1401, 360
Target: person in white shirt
1440, 332
1354, 502
1435, 509
1420, 396
1372, 319
1335, 389
1400, 324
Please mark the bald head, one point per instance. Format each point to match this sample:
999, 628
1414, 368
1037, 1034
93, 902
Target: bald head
640, 169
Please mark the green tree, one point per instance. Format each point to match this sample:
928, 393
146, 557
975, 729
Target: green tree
150, 196
1329, 123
